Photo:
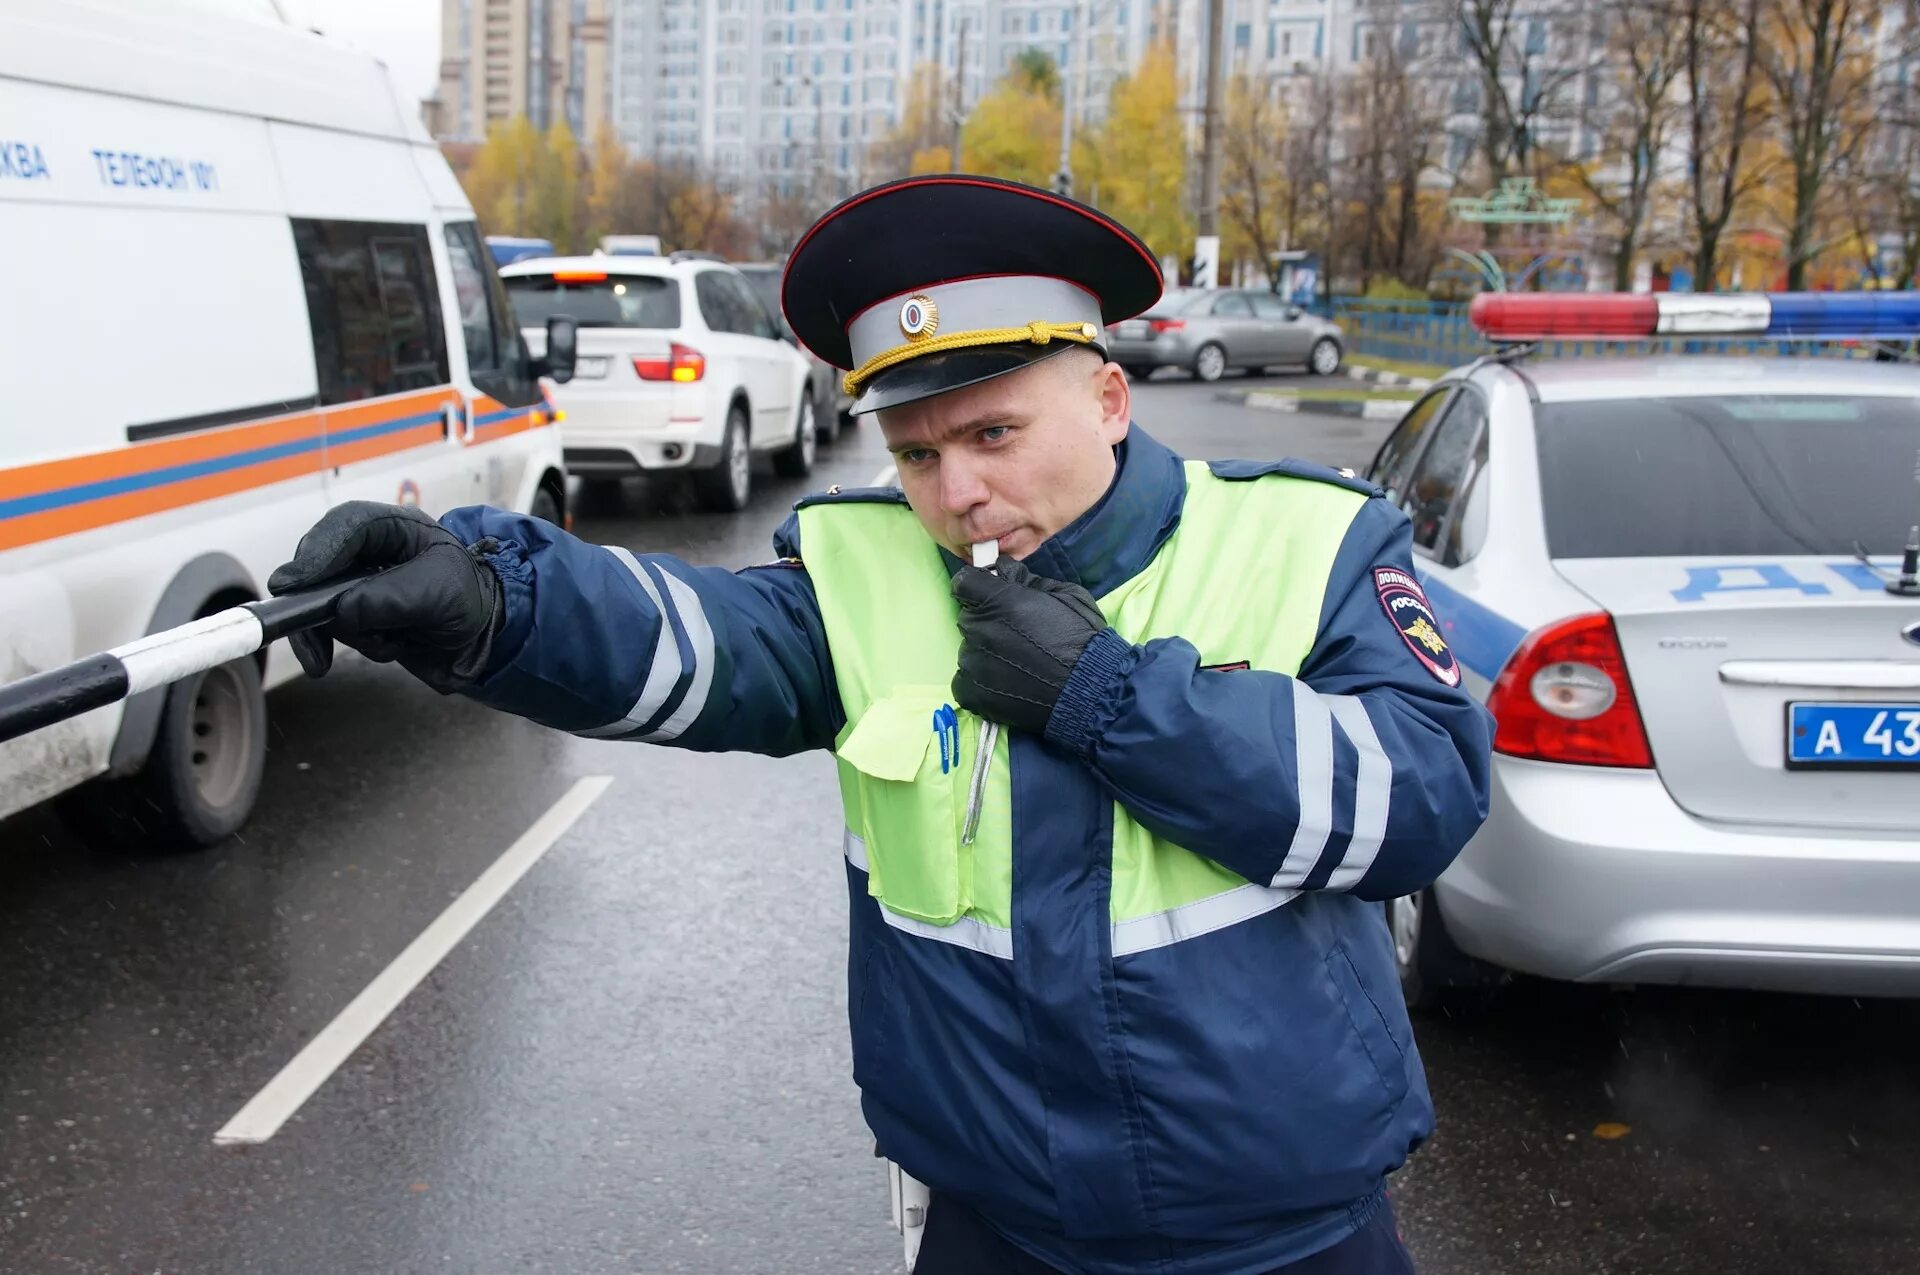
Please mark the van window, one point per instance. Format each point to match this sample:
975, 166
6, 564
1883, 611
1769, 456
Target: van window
496, 358
373, 307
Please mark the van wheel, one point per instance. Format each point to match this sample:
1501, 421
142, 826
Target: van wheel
725, 487
200, 780
795, 460
545, 507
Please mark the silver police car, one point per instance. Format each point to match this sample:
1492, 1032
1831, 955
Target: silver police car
1676, 583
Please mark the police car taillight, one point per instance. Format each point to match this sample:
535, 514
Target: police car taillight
681, 363
1565, 696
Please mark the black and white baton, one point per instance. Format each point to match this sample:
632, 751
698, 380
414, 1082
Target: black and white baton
161, 658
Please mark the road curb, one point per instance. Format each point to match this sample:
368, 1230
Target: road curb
1374, 376
1370, 409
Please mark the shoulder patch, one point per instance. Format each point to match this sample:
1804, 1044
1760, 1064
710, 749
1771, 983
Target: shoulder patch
1244, 470
852, 495
1406, 605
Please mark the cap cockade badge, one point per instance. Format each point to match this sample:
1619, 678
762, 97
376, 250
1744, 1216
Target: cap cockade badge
919, 318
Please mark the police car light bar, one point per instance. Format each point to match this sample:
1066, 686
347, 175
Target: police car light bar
1635, 316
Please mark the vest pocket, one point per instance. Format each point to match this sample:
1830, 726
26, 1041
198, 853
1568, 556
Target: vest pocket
908, 815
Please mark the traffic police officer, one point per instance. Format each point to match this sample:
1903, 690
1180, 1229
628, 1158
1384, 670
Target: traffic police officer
1120, 812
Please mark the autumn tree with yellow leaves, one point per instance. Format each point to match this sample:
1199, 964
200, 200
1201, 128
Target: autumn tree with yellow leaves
1014, 131
522, 182
1133, 166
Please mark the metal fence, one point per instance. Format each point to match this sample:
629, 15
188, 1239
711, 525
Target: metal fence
1437, 332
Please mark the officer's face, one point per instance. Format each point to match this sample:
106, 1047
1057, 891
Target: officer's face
1014, 459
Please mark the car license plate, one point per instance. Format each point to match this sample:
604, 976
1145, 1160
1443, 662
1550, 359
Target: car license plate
595, 367
1879, 736
1131, 330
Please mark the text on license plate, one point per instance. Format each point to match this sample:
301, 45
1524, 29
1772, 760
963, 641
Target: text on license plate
1131, 330
1853, 734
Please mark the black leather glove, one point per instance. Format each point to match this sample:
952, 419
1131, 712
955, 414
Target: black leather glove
434, 606
1020, 636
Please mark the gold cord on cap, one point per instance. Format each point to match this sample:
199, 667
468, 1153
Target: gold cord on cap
1039, 332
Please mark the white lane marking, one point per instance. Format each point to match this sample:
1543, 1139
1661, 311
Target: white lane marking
885, 478
287, 1092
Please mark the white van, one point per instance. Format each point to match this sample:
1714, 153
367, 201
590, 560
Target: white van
240, 286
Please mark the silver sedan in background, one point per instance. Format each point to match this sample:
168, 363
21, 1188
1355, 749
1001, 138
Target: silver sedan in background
1208, 330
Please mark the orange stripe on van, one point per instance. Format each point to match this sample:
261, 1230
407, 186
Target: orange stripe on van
48, 499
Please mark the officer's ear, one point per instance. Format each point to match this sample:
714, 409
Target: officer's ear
1116, 402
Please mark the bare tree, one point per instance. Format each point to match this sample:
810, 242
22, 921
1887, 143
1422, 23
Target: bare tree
1880, 183
1312, 152
1391, 127
1645, 48
1253, 177
1723, 115
1816, 57
1519, 80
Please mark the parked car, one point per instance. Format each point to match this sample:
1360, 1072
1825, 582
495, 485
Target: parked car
1707, 755
679, 368
832, 407
1208, 330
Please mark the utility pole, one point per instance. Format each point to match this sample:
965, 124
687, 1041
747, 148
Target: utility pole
1206, 247
1063, 179
959, 88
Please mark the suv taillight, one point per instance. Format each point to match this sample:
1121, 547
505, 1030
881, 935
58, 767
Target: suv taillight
1565, 696
680, 363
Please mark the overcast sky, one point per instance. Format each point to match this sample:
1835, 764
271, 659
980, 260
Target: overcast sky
405, 34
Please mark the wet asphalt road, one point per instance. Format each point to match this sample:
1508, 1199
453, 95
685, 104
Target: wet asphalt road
638, 1061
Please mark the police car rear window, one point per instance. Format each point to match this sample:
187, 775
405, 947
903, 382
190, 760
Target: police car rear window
618, 301
1728, 476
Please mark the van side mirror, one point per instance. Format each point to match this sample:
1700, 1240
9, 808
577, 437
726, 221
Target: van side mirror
563, 349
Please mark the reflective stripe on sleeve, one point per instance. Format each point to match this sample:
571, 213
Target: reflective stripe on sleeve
1372, 791
1313, 774
664, 673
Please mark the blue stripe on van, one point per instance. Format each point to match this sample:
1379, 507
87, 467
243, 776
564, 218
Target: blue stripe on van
1482, 639
64, 496
492, 418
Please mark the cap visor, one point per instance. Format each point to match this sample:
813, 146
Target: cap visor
956, 369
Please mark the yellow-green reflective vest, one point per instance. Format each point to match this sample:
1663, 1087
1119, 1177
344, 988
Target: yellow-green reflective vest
1242, 578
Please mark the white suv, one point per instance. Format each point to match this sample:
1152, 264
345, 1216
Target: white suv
680, 367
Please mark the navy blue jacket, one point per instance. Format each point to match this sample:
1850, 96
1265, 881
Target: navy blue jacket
1218, 1106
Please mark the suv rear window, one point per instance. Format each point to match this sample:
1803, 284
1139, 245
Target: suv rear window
1725, 476
618, 301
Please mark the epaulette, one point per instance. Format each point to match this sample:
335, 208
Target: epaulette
838, 495
1242, 470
